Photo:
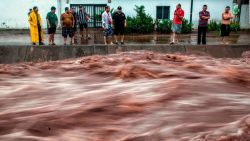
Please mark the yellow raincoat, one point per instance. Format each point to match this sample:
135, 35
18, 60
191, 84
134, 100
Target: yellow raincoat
34, 28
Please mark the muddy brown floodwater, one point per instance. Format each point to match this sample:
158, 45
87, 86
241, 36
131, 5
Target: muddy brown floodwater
134, 96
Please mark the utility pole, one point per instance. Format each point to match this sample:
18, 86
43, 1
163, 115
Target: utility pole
59, 9
191, 11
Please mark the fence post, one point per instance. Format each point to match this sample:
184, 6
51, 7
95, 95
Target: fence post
191, 13
94, 12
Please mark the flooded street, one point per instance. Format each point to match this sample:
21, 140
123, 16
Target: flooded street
133, 96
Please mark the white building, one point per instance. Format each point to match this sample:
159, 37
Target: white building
15, 12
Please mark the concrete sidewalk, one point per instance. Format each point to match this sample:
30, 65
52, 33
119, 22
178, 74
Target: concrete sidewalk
22, 38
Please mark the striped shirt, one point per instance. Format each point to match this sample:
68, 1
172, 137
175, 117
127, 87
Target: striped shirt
203, 22
82, 17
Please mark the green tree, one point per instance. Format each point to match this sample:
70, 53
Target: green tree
141, 23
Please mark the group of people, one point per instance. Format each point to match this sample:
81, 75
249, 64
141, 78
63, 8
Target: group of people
204, 17
114, 24
69, 21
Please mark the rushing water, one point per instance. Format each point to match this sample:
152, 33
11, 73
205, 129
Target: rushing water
135, 96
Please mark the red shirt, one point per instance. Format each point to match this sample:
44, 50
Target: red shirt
177, 14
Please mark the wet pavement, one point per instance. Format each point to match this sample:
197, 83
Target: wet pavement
97, 38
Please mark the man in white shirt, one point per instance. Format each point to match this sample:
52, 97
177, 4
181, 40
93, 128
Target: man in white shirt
107, 24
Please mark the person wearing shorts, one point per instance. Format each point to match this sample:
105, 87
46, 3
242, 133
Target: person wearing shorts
177, 23
73, 12
107, 24
83, 18
119, 22
52, 23
225, 24
67, 22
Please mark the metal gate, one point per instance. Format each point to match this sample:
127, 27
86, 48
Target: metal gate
94, 10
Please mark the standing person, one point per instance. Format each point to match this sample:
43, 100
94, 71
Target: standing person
119, 23
29, 12
36, 33
203, 23
52, 23
72, 10
177, 23
83, 18
236, 12
67, 22
107, 24
225, 24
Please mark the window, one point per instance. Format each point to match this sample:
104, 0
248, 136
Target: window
245, 1
162, 12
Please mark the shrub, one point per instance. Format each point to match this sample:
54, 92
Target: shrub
141, 23
214, 26
186, 27
164, 26
235, 26
131, 28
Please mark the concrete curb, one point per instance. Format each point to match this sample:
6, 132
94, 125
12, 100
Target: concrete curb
28, 53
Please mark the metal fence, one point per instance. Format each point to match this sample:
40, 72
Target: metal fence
95, 12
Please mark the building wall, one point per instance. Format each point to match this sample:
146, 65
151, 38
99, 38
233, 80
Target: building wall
15, 12
214, 6
244, 20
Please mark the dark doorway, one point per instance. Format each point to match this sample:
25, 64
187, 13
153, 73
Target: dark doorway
95, 11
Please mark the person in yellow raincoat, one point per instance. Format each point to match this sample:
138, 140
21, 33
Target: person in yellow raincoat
36, 33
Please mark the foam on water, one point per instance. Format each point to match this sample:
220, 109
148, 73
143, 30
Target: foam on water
134, 96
